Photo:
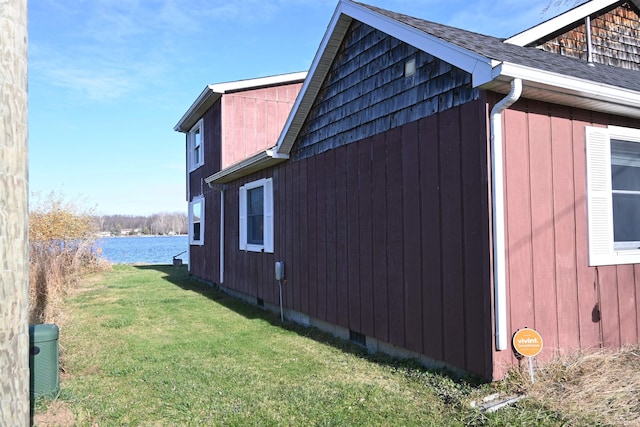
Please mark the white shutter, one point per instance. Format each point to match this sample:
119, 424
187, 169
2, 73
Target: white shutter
243, 218
599, 206
268, 216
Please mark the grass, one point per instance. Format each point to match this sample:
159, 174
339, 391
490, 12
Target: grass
148, 346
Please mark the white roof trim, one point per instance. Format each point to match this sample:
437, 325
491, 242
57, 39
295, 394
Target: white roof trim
205, 100
252, 164
570, 85
479, 66
486, 73
554, 24
256, 83
213, 92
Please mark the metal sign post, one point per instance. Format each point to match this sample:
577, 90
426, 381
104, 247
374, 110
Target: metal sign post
528, 343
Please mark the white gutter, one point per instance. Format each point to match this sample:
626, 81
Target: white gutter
497, 189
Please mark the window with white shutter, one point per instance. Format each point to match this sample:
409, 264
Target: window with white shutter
613, 195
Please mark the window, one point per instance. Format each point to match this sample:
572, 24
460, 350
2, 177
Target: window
613, 193
195, 153
256, 216
196, 221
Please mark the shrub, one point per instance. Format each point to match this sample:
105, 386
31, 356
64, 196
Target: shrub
61, 238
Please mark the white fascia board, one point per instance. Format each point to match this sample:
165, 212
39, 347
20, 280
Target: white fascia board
569, 85
554, 24
258, 82
252, 164
448, 52
319, 67
346, 11
205, 100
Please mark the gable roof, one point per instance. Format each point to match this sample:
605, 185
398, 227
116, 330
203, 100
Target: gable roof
555, 24
492, 63
213, 92
597, 87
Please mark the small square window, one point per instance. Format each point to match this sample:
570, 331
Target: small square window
410, 68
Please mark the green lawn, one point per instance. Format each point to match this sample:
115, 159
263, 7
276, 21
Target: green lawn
148, 346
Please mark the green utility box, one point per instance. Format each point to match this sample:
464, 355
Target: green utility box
43, 361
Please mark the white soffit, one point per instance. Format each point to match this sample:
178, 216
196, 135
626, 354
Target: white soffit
563, 90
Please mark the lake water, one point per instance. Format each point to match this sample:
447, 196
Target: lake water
143, 249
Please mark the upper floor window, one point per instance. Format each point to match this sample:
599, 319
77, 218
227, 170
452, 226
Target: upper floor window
613, 192
256, 216
195, 152
196, 221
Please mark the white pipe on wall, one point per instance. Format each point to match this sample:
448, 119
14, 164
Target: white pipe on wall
497, 181
221, 236
221, 188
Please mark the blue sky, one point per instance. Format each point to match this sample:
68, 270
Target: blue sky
108, 80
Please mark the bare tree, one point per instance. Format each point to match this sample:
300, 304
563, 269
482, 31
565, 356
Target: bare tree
14, 265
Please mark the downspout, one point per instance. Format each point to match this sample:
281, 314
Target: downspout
221, 235
497, 189
221, 188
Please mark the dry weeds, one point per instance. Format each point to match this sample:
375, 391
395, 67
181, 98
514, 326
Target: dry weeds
603, 385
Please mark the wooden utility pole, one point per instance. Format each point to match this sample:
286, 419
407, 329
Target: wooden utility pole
14, 230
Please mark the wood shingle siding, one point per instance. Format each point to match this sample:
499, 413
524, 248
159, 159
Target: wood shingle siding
367, 93
615, 36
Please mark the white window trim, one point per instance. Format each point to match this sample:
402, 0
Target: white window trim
198, 199
599, 196
267, 245
193, 163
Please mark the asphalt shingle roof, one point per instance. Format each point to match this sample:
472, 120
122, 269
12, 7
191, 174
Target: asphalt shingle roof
495, 48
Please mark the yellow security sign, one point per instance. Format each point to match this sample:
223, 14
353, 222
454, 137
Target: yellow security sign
527, 342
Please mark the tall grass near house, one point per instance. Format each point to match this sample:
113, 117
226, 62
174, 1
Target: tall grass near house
60, 251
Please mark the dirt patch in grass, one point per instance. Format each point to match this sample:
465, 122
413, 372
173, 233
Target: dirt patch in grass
603, 384
57, 414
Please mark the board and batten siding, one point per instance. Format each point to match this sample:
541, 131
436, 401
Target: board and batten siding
381, 216
239, 125
253, 120
387, 236
551, 287
204, 259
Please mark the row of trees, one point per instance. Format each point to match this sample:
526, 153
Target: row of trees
156, 224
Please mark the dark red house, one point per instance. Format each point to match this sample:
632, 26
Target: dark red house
434, 190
